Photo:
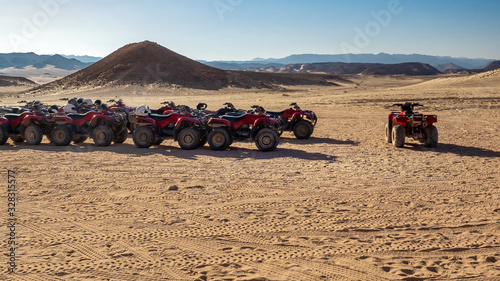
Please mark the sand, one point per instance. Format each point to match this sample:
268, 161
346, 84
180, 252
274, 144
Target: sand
343, 205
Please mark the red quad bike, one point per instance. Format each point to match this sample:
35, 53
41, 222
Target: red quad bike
411, 124
151, 129
28, 126
255, 126
104, 127
300, 122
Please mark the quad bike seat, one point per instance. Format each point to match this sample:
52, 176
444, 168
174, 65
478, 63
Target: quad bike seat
76, 116
158, 117
12, 116
156, 111
275, 113
234, 113
233, 119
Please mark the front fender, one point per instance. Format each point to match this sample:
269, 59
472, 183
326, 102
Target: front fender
181, 121
216, 122
3, 120
431, 119
97, 119
61, 120
29, 119
140, 121
264, 120
401, 120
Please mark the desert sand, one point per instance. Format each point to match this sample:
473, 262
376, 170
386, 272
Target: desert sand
343, 205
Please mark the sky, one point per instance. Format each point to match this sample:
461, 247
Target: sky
246, 29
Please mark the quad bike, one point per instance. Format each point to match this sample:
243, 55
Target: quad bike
119, 107
104, 127
27, 126
300, 122
256, 126
184, 127
411, 124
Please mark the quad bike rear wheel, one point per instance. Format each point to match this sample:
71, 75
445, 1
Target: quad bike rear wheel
121, 137
3, 135
398, 136
219, 139
431, 134
303, 130
388, 133
188, 138
77, 140
266, 139
144, 137
61, 135
102, 135
33, 134
17, 139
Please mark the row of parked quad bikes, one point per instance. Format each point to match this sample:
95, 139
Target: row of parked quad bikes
191, 128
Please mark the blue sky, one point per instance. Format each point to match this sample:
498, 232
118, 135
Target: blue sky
246, 29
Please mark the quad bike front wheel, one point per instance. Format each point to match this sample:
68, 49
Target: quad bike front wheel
398, 136
188, 138
102, 135
303, 130
121, 137
61, 135
33, 134
144, 137
266, 139
431, 134
3, 135
219, 139
388, 133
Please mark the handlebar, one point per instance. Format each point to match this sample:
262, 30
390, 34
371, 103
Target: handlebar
412, 104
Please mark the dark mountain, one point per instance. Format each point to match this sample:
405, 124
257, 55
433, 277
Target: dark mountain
355, 68
21, 60
492, 66
355, 58
6, 81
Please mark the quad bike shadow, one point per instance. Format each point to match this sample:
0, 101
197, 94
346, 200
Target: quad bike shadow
315, 140
170, 149
459, 150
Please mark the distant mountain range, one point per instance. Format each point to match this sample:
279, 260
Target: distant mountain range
384, 58
22, 60
90, 59
47, 68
